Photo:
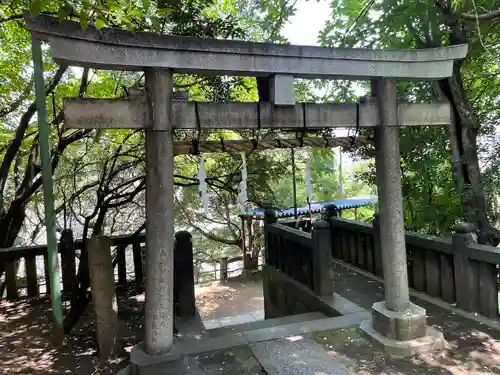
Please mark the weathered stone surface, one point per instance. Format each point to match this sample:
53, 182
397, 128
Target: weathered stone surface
236, 360
388, 165
401, 326
305, 327
298, 356
132, 113
139, 357
116, 49
282, 90
103, 295
159, 221
432, 340
218, 328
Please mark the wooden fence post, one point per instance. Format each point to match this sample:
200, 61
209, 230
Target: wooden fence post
102, 284
137, 255
67, 246
330, 212
31, 275
11, 279
223, 268
121, 264
322, 259
269, 218
465, 235
184, 300
46, 273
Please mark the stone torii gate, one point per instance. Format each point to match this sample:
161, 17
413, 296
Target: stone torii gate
158, 114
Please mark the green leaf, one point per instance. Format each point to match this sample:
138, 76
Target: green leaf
125, 20
36, 7
64, 11
100, 23
113, 7
84, 20
146, 4
164, 11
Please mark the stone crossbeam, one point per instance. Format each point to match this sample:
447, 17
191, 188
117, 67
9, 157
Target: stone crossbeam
123, 50
132, 113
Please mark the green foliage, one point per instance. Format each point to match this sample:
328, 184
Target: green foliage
432, 203
100, 174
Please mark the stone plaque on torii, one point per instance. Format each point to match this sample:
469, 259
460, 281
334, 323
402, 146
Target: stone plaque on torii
158, 114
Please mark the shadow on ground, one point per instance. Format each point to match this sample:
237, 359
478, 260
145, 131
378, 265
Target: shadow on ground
26, 346
473, 348
356, 352
26, 329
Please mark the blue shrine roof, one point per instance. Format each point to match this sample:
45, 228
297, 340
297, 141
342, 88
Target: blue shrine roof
342, 204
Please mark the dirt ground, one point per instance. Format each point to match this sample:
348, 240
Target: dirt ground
237, 297
26, 330
356, 352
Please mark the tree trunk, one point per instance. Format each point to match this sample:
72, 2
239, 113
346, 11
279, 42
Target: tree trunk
466, 171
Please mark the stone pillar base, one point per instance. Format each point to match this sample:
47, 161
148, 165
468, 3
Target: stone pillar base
402, 334
142, 363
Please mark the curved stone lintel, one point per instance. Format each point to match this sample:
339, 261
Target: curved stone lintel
123, 50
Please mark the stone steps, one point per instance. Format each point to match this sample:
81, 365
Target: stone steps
254, 348
260, 324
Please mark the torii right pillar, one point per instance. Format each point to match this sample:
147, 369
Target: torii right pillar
397, 324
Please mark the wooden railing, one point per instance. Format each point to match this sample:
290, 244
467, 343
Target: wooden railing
304, 257
126, 247
128, 266
291, 252
455, 270
221, 269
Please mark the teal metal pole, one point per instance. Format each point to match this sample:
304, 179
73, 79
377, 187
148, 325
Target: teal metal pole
48, 192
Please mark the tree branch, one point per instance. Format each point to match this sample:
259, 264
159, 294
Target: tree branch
481, 17
16, 142
17, 103
205, 233
10, 18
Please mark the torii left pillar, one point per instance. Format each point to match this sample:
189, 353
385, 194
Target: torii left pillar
156, 350
159, 214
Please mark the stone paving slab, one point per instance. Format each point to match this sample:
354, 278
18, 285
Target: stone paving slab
199, 344
298, 355
234, 361
237, 319
261, 324
304, 328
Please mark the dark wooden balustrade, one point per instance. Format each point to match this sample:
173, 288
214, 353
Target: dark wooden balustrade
37, 255
290, 251
302, 256
128, 265
447, 269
